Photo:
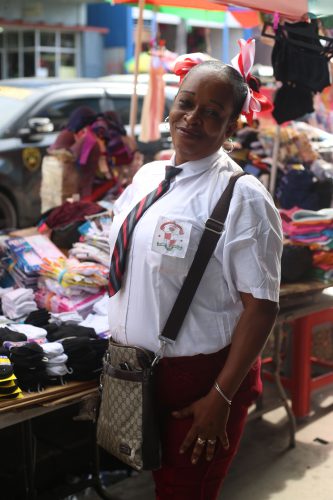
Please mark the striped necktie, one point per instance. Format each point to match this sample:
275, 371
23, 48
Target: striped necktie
118, 259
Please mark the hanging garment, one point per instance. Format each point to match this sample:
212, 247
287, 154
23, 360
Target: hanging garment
299, 57
292, 101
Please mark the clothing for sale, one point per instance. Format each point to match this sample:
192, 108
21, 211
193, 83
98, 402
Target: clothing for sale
292, 101
10, 390
85, 357
298, 55
9, 334
100, 323
29, 366
9, 344
30, 331
73, 273
18, 303
70, 317
57, 304
38, 318
73, 291
57, 332
163, 245
56, 365
86, 152
296, 263
6, 368
298, 188
8, 382
53, 349
84, 251
68, 213
312, 231
101, 305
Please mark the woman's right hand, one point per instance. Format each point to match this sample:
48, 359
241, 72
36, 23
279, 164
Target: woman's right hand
210, 416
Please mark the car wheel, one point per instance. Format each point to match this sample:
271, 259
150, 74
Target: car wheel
8, 216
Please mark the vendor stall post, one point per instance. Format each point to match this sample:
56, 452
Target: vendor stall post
138, 47
275, 158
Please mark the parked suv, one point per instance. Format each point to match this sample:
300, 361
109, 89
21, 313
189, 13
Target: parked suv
32, 113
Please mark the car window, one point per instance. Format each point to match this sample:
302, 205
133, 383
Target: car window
59, 111
13, 102
122, 107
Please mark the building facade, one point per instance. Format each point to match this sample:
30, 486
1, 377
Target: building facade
48, 38
76, 38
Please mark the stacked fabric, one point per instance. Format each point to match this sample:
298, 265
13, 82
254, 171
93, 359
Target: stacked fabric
24, 256
29, 366
84, 350
98, 318
55, 361
81, 304
8, 382
313, 229
18, 303
94, 242
32, 333
70, 285
85, 357
21, 262
75, 274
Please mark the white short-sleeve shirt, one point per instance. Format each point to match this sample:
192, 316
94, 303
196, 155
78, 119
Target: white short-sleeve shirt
164, 242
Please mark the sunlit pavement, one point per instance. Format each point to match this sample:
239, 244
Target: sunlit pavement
265, 468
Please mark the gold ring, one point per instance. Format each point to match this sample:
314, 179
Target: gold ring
212, 442
201, 441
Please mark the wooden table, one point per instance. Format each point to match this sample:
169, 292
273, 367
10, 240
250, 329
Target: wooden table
301, 306
33, 405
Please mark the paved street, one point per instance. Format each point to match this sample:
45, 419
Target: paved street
265, 469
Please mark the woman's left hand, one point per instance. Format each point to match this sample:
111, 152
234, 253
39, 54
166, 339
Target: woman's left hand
210, 416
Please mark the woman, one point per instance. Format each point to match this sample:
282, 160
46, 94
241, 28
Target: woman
209, 377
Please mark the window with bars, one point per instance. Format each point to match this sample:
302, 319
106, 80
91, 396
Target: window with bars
38, 53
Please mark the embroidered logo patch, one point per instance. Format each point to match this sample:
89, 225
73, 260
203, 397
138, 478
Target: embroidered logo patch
171, 237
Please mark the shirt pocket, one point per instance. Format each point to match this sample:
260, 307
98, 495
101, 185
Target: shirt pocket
184, 236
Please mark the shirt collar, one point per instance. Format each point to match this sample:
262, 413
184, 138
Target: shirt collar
198, 166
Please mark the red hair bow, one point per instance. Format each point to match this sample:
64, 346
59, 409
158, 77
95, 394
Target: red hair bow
184, 63
243, 62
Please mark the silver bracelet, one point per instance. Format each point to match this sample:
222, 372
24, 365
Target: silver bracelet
219, 390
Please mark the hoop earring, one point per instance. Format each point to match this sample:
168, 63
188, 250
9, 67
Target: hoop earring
166, 119
230, 148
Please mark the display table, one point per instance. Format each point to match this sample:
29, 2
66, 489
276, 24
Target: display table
302, 306
33, 405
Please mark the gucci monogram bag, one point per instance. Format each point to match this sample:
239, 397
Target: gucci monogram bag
127, 423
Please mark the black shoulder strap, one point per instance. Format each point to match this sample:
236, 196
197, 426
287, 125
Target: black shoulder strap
213, 230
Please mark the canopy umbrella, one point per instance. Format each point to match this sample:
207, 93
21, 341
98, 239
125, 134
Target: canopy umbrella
286, 8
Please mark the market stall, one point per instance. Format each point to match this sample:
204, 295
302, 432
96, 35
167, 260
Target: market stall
54, 299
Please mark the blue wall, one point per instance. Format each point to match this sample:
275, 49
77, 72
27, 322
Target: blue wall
92, 44
118, 19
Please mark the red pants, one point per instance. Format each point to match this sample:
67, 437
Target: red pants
180, 382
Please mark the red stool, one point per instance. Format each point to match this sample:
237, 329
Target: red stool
302, 381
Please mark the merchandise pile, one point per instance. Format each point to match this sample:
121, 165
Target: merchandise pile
314, 230
70, 285
94, 241
54, 326
48, 349
8, 381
